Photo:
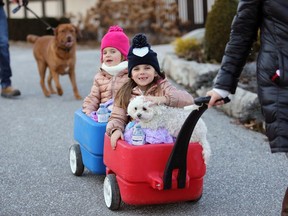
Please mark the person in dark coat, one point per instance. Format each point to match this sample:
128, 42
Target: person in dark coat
271, 18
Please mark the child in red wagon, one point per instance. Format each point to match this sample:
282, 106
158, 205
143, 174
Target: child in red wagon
145, 79
113, 72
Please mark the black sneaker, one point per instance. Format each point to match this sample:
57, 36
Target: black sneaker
10, 92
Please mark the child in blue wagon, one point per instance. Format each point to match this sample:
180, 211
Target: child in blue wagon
145, 78
113, 72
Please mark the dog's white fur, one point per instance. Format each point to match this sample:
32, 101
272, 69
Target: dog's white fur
157, 116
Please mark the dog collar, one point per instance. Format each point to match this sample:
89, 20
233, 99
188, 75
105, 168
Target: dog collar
66, 49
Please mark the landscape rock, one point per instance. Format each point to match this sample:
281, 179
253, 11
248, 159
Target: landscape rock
190, 74
198, 78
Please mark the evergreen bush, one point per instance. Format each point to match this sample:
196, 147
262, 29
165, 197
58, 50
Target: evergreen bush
217, 28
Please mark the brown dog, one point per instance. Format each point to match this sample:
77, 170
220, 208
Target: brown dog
58, 53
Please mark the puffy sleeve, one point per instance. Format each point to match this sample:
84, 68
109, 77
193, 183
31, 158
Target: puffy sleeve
117, 120
176, 97
92, 101
243, 33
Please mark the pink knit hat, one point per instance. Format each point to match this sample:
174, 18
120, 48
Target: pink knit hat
115, 37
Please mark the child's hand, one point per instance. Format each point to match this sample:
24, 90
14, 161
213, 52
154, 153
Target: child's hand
157, 100
115, 136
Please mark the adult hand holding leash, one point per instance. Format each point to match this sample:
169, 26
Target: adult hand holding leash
20, 4
25, 3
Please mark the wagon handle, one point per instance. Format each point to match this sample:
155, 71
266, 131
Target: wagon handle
178, 156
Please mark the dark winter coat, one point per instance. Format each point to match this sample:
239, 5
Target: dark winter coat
271, 17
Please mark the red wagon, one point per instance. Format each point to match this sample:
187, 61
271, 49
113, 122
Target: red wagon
156, 173
135, 174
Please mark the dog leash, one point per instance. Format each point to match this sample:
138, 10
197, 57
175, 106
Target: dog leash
15, 10
178, 156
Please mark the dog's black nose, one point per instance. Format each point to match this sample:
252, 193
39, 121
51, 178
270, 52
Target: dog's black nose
139, 115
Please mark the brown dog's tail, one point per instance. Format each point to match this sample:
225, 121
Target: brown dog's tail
32, 38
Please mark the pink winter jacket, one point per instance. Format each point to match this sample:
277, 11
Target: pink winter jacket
176, 98
105, 87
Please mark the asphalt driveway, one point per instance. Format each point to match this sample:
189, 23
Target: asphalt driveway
242, 178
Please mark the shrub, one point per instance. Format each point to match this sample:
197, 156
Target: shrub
159, 19
189, 48
218, 26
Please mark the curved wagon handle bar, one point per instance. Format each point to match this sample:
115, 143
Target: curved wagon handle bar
178, 156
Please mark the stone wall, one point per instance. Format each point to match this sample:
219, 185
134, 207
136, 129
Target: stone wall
198, 78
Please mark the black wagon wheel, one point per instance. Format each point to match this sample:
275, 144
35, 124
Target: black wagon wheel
111, 192
75, 159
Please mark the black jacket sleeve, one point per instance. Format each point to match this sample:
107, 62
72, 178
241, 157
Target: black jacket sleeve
243, 33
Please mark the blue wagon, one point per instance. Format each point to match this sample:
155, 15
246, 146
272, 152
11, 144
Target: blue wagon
88, 152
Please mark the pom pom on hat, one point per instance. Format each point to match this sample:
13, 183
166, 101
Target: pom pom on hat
140, 41
141, 53
115, 37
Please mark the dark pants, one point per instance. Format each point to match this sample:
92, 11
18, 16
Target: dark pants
5, 69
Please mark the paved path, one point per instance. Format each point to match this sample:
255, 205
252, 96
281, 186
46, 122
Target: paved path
243, 177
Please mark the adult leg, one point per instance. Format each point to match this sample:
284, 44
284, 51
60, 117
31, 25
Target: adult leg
5, 69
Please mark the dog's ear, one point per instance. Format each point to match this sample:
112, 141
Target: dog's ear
130, 109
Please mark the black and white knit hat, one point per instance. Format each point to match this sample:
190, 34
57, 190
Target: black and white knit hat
141, 53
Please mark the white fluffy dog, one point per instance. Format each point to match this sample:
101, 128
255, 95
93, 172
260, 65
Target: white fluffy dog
160, 116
